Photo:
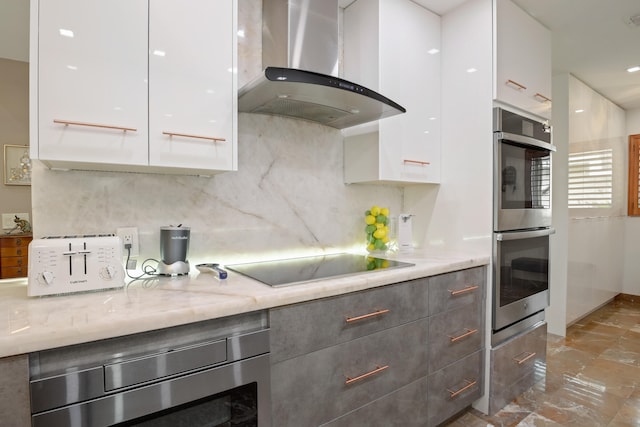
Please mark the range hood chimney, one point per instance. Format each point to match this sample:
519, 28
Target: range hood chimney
300, 52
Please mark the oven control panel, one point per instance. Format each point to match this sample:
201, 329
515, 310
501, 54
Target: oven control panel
68, 264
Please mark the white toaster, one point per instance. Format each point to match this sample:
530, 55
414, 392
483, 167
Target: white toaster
67, 264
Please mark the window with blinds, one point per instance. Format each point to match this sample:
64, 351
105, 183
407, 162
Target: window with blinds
591, 179
633, 198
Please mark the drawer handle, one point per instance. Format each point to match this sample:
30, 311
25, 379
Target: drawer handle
524, 359
541, 98
463, 291
94, 125
418, 162
212, 138
18, 242
366, 316
470, 383
516, 84
378, 369
19, 251
466, 334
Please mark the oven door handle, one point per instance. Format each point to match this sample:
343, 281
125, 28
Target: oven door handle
515, 235
521, 139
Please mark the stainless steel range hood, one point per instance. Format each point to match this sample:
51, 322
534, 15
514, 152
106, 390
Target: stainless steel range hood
300, 52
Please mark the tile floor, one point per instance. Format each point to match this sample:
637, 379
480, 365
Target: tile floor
592, 378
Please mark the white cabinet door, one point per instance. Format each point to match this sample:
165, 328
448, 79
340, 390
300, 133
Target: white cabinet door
192, 85
404, 148
523, 60
92, 69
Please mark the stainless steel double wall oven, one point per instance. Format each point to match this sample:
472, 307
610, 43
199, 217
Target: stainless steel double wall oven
521, 223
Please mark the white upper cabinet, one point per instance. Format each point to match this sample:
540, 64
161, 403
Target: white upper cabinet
393, 47
523, 60
192, 81
132, 85
92, 70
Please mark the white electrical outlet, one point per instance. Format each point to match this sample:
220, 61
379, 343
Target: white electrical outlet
129, 236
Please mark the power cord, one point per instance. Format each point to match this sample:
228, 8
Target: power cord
147, 270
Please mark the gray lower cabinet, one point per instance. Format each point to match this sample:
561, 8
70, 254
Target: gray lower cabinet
315, 388
407, 354
15, 409
455, 387
516, 365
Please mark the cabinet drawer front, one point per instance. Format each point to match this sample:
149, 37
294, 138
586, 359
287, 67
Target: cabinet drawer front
306, 327
13, 272
454, 388
14, 261
316, 388
402, 408
453, 290
11, 252
453, 335
15, 242
516, 365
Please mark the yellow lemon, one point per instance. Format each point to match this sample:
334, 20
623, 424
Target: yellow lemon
371, 247
384, 211
370, 219
379, 233
375, 210
379, 226
386, 239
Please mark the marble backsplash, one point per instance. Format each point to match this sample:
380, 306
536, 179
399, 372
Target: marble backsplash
287, 197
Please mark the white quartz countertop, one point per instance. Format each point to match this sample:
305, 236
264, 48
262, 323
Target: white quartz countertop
37, 323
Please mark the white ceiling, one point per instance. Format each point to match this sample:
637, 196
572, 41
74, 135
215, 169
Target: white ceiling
592, 39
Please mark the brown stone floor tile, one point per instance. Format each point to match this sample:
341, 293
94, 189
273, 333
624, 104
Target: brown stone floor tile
613, 377
589, 342
567, 360
536, 420
603, 327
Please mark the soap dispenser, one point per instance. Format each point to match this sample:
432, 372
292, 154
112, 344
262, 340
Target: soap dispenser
405, 243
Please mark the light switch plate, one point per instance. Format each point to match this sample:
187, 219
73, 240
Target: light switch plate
8, 219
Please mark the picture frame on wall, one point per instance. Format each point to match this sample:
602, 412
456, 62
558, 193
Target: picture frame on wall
17, 165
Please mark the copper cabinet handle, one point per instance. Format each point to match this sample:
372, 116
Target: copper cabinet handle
378, 369
524, 359
419, 162
366, 316
212, 138
463, 291
540, 97
466, 334
516, 84
94, 125
470, 383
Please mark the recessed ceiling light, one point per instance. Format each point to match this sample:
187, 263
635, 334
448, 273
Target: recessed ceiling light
159, 52
579, 110
471, 70
633, 69
433, 51
65, 33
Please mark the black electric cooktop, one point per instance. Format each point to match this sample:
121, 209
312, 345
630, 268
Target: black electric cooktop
295, 271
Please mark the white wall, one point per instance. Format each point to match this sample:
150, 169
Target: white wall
596, 242
556, 314
631, 279
457, 214
287, 198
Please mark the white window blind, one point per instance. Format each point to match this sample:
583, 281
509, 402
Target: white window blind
591, 179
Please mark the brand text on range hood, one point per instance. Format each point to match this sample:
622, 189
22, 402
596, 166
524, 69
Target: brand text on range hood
299, 79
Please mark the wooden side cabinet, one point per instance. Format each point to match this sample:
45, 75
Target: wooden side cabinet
14, 255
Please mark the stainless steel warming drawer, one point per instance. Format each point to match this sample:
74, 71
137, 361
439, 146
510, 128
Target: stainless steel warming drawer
167, 379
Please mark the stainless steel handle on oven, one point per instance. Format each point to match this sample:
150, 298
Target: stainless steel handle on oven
515, 235
526, 140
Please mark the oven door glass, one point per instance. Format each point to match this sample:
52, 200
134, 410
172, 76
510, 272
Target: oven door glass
521, 276
525, 174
